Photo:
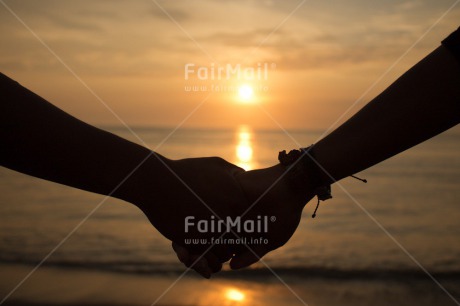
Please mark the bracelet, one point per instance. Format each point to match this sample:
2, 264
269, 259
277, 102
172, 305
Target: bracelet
305, 171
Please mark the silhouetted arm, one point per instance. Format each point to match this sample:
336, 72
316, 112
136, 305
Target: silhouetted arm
422, 103
41, 140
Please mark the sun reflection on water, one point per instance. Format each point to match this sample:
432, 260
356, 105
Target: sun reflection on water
227, 296
231, 293
244, 151
234, 295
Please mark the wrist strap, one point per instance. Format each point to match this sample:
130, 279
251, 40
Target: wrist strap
306, 172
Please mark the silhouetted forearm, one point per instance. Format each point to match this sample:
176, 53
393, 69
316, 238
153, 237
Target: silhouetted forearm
422, 103
41, 140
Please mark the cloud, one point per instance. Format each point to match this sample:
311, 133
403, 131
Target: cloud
244, 39
93, 38
137, 38
178, 15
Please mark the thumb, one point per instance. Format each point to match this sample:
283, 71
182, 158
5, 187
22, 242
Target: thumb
245, 259
235, 170
182, 253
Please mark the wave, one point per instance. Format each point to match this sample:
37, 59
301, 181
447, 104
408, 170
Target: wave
257, 273
346, 274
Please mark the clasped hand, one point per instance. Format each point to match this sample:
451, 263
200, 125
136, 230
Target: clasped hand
202, 194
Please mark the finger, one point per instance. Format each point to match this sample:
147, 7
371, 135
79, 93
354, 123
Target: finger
213, 262
222, 252
234, 169
245, 259
182, 253
201, 266
225, 257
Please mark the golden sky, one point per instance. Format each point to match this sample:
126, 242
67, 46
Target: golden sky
316, 58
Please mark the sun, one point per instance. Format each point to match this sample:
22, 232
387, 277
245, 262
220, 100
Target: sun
245, 93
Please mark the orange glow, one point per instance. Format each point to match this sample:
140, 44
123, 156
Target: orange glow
246, 93
235, 295
305, 75
244, 151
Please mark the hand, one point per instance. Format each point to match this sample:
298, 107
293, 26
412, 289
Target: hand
198, 188
270, 193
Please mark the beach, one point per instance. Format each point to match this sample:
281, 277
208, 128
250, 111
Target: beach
56, 286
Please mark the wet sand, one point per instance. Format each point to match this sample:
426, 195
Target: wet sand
57, 286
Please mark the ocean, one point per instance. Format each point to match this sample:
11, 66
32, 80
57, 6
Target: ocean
404, 223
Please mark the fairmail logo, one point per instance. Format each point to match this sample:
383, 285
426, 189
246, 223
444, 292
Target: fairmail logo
213, 72
228, 224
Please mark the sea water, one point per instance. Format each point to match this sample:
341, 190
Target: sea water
407, 218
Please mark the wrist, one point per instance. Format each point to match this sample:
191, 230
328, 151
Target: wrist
294, 192
148, 175
306, 173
